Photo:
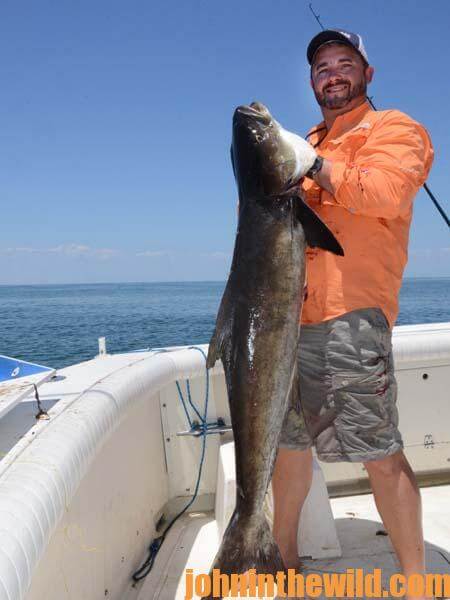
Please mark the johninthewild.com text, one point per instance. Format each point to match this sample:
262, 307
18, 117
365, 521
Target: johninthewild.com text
353, 583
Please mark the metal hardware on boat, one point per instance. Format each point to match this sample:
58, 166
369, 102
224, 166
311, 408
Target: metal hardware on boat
197, 429
101, 346
428, 441
42, 414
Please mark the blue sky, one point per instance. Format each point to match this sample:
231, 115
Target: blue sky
115, 125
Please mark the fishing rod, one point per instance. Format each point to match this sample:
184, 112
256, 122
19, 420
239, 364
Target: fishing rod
425, 186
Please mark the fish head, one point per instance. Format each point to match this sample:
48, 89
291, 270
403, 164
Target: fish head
266, 158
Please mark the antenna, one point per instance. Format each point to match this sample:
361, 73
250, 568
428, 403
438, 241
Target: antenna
425, 186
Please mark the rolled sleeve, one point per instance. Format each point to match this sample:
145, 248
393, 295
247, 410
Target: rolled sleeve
386, 171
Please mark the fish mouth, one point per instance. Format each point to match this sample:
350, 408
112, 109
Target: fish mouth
291, 189
256, 112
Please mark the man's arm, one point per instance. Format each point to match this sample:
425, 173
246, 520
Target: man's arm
386, 172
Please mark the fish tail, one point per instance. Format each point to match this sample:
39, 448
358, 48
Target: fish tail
247, 544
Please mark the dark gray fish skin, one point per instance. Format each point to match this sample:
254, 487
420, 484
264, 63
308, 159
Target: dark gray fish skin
257, 327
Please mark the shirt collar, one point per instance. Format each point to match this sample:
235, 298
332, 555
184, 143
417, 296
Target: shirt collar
342, 124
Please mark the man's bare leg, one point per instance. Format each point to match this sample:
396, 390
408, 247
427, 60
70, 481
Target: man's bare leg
291, 481
398, 501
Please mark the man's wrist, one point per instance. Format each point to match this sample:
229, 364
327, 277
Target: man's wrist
323, 176
316, 167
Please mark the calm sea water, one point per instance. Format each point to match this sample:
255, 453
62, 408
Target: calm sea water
58, 325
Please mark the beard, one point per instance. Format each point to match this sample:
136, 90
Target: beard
339, 101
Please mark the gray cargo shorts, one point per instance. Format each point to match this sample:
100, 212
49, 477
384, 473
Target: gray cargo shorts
347, 392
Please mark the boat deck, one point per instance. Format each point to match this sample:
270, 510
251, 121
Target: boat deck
193, 541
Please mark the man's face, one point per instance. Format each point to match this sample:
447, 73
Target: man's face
338, 76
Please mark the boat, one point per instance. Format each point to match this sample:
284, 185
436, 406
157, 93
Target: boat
117, 475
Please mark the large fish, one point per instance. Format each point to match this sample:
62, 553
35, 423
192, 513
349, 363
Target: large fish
257, 328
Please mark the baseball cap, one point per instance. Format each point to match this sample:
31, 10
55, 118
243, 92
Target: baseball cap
354, 40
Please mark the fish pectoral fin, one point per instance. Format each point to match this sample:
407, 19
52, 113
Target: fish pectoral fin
222, 331
316, 232
216, 346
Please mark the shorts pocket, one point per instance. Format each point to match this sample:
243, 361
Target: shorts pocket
360, 398
374, 340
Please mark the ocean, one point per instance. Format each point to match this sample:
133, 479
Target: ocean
58, 325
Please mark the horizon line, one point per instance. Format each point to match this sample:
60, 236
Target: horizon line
171, 281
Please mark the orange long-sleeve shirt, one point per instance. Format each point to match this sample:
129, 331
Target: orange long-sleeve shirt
380, 160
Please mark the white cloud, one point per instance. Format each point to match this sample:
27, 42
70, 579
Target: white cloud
81, 250
105, 253
74, 250
216, 255
70, 250
18, 250
159, 253
152, 253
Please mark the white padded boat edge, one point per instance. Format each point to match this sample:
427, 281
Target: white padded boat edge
36, 489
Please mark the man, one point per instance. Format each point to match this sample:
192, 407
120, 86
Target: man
370, 166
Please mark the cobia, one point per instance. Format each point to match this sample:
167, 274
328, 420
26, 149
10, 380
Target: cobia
257, 328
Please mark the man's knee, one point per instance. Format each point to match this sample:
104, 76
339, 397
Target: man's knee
390, 467
293, 460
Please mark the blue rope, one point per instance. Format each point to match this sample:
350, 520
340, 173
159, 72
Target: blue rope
188, 387
156, 543
203, 426
180, 394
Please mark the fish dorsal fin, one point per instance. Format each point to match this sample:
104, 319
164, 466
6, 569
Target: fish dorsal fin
316, 232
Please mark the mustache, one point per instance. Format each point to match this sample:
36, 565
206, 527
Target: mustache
340, 82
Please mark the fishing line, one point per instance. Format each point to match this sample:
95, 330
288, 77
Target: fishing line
425, 186
317, 131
